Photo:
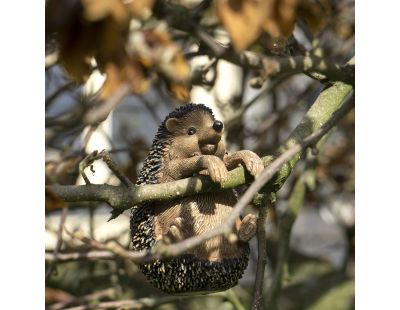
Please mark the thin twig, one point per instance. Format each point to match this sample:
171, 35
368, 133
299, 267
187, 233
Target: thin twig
142, 303
287, 219
113, 247
87, 136
100, 113
262, 254
67, 257
110, 292
58, 92
59, 242
296, 201
111, 164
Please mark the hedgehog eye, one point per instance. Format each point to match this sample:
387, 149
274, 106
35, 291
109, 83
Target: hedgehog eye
191, 131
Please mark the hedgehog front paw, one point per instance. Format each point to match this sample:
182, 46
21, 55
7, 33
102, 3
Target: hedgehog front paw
216, 169
248, 227
174, 233
253, 162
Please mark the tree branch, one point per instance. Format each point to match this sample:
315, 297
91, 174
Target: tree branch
262, 252
59, 242
295, 203
295, 64
67, 257
142, 303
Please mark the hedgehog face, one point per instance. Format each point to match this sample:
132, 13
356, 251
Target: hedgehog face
196, 133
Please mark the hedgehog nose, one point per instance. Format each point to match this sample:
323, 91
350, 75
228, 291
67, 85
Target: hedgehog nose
218, 126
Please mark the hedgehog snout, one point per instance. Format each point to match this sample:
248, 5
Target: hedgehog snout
210, 137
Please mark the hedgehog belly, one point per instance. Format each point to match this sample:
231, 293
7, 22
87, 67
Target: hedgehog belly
187, 273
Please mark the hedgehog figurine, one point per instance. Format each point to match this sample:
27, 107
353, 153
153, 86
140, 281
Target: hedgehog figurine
188, 142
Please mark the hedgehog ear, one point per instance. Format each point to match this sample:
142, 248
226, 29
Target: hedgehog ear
171, 124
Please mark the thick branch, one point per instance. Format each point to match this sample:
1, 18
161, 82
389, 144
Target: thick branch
327, 103
120, 197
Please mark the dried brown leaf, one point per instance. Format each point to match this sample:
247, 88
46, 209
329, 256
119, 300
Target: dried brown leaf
95, 10
246, 19
160, 52
156, 52
77, 47
280, 17
130, 72
242, 19
316, 14
139, 7
104, 36
179, 91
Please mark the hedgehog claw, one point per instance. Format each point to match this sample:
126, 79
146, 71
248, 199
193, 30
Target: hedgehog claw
248, 228
174, 233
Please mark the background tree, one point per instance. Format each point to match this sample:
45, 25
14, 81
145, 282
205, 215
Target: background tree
280, 74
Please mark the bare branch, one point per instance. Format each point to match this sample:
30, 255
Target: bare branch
262, 253
67, 257
100, 113
142, 303
287, 219
113, 247
310, 64
59, 242
110, 293
296, 201
124, 198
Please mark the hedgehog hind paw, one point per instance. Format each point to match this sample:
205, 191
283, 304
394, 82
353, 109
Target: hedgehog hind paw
248, 228
175, 231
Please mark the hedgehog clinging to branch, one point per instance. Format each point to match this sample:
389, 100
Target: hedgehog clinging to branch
189, 141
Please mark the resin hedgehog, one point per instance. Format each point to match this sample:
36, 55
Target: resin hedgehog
188, 142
